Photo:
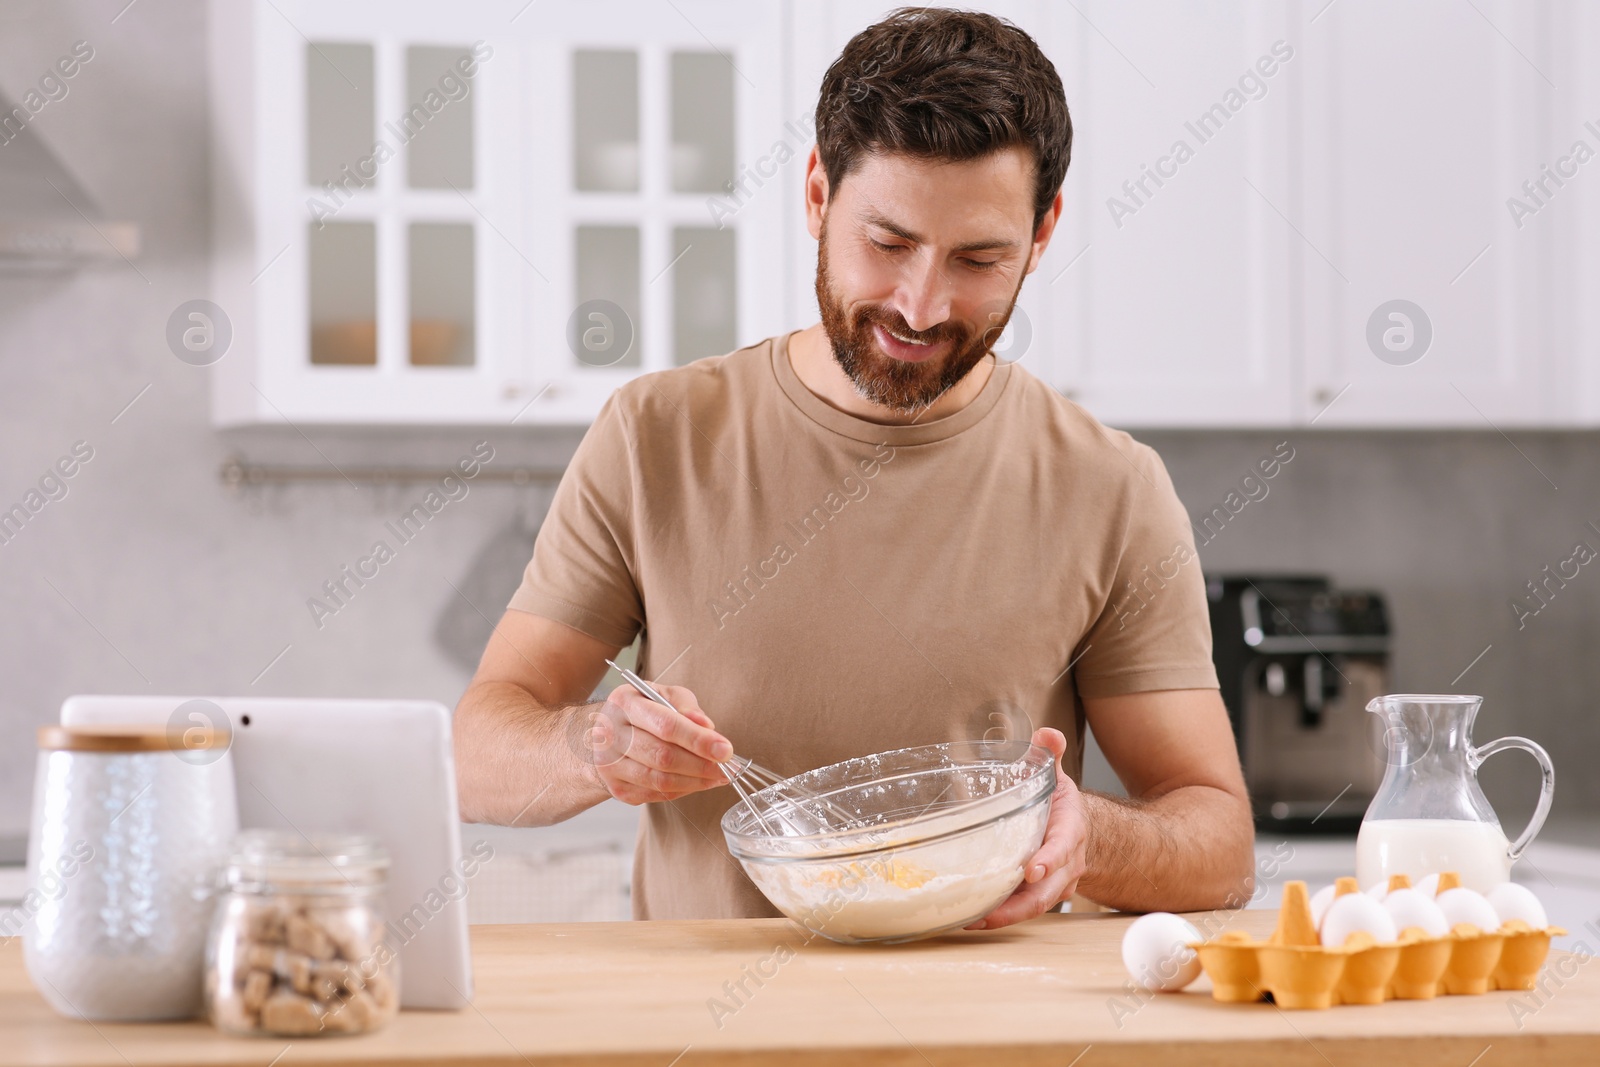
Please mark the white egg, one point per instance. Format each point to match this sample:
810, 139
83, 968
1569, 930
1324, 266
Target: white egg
1513, 901
1377, 892
1356, 912
1319, 904
1413, 907
1156, 952
1429, 885
1462, 905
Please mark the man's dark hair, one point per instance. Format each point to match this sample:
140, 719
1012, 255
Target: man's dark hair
947, 85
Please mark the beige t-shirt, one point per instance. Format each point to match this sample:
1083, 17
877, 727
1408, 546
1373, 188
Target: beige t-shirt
830, 587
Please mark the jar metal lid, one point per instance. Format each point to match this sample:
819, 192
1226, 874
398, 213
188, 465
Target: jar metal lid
130, 739
287, 860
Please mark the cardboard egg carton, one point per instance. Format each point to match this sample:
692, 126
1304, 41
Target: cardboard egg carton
1300, 972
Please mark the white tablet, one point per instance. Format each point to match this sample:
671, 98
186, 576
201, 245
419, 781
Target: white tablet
381, 767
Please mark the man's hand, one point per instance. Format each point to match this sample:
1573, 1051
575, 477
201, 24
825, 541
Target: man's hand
644, 752
1053, 872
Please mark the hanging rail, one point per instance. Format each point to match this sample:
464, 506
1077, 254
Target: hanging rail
236, 473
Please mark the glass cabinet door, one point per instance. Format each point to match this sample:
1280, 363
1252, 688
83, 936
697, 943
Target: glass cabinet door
343, 288
438, 117
607, 283
605, 121
392, 242
704, 293
702, 122
342, 285
341, 101
675, 283
652, 230
441, 297
459, 214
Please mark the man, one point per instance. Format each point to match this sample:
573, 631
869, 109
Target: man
871, 534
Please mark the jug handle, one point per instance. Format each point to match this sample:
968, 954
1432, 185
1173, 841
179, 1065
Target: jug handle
1547, 785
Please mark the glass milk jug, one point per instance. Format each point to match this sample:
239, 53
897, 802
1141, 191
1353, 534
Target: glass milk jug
1429, 814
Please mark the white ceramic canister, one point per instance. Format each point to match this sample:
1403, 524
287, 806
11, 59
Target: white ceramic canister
129, 827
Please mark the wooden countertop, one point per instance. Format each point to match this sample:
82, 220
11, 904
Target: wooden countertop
1047, 992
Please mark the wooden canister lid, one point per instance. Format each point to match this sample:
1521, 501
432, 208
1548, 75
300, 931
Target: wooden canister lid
130, 739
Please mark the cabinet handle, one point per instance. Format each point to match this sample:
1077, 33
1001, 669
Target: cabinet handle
516, 390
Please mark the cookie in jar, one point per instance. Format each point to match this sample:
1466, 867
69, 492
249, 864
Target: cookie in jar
297, 945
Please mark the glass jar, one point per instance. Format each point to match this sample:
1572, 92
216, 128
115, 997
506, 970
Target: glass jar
298, 944
129, 825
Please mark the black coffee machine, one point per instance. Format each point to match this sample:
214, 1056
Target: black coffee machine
1298, 661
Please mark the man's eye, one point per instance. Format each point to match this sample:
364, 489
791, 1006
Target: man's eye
975, 264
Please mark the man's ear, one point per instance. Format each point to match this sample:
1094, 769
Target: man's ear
1047, 228
816, 193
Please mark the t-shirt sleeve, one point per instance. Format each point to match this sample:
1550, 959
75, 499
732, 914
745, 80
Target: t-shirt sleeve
582, 570
1155, 629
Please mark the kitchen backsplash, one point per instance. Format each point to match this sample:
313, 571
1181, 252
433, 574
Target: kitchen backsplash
143, 573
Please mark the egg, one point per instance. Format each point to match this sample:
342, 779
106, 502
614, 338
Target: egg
1157, 954
1413, 907
1319, 904
1462, 905
1429, 884
1377, 892
1513, 901
1352, 913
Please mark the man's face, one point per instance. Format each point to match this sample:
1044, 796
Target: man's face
918, 267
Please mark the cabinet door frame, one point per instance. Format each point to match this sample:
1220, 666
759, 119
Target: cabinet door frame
520, 212
1346, 384
271, 378
1577, 277
1267, 371
748, 36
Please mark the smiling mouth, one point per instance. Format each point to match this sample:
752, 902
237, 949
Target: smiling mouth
906, 349
907, 340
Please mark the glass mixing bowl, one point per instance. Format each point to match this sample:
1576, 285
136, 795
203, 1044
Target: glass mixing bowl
900, 845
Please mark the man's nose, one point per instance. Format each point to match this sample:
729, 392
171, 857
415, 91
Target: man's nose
924, 297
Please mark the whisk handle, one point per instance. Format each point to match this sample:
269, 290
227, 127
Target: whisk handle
649, 691
640, 684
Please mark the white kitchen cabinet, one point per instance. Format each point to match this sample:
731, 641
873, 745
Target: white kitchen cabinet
648, 191
496, 171
1236, 288
1577, 312
1420, 122
1170, 275
1250, 182
389, 295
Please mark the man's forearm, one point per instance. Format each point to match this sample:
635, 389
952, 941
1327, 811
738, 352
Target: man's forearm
1188, 850
520, 763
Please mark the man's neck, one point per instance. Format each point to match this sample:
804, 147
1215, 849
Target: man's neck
811, 356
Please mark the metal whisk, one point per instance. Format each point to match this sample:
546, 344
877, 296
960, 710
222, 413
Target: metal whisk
747, 776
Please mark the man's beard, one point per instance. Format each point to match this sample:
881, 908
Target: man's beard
893, 383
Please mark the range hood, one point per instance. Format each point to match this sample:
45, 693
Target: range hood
47, 221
